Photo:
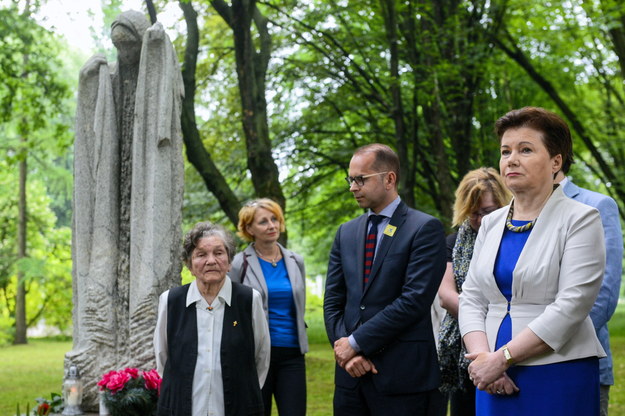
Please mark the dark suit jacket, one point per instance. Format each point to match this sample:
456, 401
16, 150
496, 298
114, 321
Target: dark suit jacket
390, 317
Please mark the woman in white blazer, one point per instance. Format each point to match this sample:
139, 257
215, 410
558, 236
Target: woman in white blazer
279, 275
534, 276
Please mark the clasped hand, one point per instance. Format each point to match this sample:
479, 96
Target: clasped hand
487, 371
356, 365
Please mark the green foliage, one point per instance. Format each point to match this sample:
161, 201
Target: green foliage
401, 73
573, 46
135, 402
7, 330
102, 34
34, 124
331, 87
47, 270
30, 69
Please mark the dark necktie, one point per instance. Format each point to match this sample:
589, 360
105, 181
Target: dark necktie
370, 242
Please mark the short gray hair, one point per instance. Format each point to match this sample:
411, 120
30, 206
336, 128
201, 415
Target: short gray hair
203, 230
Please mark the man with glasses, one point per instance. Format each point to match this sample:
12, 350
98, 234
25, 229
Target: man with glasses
384, 270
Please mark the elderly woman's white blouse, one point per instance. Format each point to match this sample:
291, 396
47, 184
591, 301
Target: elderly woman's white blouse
208, 395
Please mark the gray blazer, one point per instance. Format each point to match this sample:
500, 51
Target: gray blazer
555, 282
254, 278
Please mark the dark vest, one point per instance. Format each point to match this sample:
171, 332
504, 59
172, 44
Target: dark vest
240, 380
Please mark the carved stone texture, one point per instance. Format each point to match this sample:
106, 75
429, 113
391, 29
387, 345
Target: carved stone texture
128, 185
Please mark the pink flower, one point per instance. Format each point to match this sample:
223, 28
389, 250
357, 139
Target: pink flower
132, 372
105, 379
152, 380
117, 381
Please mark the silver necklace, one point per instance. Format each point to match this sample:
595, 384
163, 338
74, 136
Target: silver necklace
274, 261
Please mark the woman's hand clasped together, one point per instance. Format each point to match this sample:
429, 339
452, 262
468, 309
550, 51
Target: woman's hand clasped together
487, 371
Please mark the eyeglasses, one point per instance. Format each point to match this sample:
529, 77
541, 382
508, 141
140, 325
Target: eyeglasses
360, 179
482, 213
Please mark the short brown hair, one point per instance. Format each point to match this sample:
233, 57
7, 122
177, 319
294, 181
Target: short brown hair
471, 188
247, 212
385, 158
203, 230
555, 132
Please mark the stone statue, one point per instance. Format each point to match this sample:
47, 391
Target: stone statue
128, 186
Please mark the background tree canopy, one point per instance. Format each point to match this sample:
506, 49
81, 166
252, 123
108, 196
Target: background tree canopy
429, 78
280, 92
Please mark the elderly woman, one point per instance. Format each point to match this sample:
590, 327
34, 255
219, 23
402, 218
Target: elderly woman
480, 192
278, 274
535, 273
211, 339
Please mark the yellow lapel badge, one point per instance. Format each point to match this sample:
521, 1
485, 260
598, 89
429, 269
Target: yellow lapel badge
235, 323
390, 230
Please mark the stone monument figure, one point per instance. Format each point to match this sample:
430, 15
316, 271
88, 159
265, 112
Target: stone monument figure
128, 186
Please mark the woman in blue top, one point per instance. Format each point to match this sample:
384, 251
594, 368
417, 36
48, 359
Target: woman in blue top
536, 271
279, 275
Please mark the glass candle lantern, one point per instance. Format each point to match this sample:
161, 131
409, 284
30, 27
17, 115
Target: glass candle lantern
72, 392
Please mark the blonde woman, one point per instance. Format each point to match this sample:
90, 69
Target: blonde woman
279, 275
480, 192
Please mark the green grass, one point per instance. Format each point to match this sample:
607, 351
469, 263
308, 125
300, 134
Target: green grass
617, 345
617, 392
30, 371
34, 370
320, 380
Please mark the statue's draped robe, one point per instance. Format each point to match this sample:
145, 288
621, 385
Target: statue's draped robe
127, 209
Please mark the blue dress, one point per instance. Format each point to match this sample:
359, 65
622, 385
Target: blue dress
569, 388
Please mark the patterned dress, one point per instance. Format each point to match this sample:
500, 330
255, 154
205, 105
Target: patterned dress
454, 375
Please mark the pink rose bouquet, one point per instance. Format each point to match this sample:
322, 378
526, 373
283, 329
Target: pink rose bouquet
130, 392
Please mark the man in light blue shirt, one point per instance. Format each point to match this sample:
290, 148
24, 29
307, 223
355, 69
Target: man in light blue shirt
606, 302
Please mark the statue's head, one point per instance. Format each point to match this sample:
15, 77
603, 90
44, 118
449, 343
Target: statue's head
127, 32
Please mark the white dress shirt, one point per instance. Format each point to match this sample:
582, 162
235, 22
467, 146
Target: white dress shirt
208, 394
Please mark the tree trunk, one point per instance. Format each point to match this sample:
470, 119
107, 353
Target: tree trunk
149, 4
20, 297
616, 28
197, 154
406, 181
251, 69
251, 66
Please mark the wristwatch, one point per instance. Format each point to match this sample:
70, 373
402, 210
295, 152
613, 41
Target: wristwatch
507, 355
